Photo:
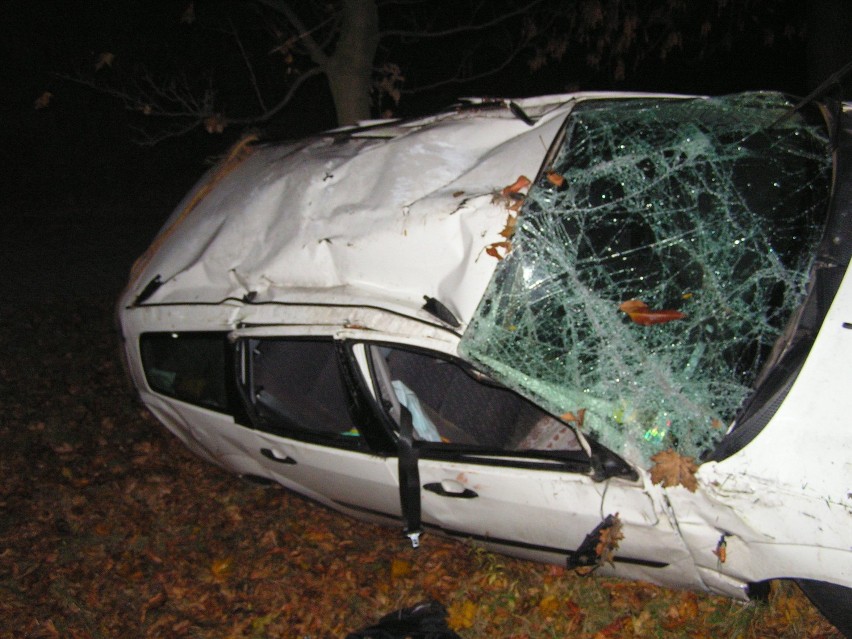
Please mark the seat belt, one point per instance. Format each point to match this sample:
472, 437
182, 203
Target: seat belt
409, 478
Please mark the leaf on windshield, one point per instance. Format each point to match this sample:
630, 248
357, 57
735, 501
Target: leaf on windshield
521, 183
672, 469
577, 418
556, 179
509, 230
641, 314
494, 249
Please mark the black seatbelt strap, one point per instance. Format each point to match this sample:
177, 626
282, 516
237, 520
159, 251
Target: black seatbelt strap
409, 478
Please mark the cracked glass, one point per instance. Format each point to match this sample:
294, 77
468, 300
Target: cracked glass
657, 259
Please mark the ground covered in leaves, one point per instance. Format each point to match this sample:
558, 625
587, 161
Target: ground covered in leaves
109, 528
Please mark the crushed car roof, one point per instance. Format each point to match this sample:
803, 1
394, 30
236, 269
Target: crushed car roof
385, 213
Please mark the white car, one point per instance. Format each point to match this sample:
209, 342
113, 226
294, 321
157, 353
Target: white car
651, 336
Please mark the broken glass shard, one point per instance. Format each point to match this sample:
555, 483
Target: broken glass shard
651, 283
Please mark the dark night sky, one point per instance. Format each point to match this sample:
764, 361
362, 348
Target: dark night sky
80, 145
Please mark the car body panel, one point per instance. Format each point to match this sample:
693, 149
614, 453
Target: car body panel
341, 237
358, 482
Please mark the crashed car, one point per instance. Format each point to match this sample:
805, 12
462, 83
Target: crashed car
608, 331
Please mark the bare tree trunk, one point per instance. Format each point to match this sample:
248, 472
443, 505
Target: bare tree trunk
350, 68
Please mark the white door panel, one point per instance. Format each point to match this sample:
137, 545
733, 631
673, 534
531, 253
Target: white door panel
512, 506
350, 479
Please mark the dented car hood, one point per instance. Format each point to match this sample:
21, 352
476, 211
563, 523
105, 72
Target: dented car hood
385, 213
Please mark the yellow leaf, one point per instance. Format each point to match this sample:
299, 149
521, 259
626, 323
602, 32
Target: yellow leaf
549, 605
221, 568
400, 568
672, 469
462, 615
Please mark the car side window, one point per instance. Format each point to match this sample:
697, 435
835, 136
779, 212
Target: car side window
295, 385
191, 367
449, 404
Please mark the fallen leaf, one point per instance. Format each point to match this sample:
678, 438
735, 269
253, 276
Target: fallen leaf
549, 605
509, 230
521, 183
678, 614
642, 624
43, 100
493, 249
400, 568
614, 628
641, 314
215, 123
577, 418
721, 550
610, 537
105, 59
188, 16
462, 615
555, 179
672, 469
221, 568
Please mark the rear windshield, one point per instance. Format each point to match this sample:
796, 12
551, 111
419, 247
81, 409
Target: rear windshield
656, 262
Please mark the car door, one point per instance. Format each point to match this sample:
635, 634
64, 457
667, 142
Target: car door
494, 467
310, 435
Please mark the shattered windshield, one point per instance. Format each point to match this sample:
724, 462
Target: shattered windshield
655, 263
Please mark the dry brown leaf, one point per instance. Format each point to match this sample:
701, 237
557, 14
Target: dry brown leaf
672, 469
43, 100
509, 230
608, 541
641, 314
188, 16
555, 179
215, 123
578, 418
521, 183
105, 59
494, 248
221, 568
400, 568
549, 605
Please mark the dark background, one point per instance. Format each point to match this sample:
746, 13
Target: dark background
78, 198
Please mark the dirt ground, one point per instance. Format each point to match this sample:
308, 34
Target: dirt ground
109, 528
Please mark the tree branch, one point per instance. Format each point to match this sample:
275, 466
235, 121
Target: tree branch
316, 53
460, 77
310, 73
252, 76
470, 28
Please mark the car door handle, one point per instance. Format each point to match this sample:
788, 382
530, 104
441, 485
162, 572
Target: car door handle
451, 488
276, 457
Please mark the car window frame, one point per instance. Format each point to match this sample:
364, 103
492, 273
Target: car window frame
580, 462
235, 406
368, 440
